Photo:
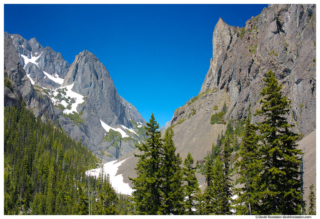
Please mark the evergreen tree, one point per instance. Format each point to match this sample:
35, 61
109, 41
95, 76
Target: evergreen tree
200, 203
280, 183
208, 196
312, 201
82, 207
226, 182
192, 187
218, 188
172, 190
107, 200
249, 169
147, 185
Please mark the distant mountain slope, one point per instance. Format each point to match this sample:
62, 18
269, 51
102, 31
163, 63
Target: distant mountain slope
84, 98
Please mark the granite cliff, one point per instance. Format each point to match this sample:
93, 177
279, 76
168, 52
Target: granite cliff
80, 98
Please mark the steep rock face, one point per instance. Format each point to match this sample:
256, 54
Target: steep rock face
131, 111
19, 87
39, 75
92, 80
282, 39
40, 59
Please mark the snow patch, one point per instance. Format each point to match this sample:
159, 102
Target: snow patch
78, 98
130, 130
32, 59
32, 82
111, 169
107, 128
54, 78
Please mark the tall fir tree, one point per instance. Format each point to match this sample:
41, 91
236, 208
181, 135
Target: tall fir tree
208, 196
280, 182
218, 188
312, 201
248, 169
227, 187
191, 189
82, 207
147, 185
171, 173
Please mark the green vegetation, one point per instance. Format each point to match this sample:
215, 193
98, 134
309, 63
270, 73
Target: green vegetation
75, 118
180, 121
314, 60
7, 83
312, 201
194, 99
253, 49
279, 154
242, 32
192, 113
217, 118
112, 135
102, 153
273, 53
43, 166
60, 106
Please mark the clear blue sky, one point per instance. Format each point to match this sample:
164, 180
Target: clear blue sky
157, 55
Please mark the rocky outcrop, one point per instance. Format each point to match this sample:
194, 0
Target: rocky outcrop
282, 39
40, 75
92, 80
18, 87
45, 60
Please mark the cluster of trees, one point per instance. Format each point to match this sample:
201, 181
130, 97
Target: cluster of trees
268, 170
44, 170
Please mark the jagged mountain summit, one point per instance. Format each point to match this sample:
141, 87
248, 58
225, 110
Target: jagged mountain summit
83, 98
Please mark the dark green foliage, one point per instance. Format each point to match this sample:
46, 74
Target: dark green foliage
45, 171
209, 193
192, 187
107, 200
312, 201
226, 182
217, 118
280, 185
74, 117
82, 208
192, 113
171, 173
147, 194
41, 165
249, 168
7, 83
112, 136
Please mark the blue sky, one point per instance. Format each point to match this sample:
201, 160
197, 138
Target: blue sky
157, 55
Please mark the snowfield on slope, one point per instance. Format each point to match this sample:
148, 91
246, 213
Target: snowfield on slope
54, 78
32, 60
78, 98
111, 169
107, 128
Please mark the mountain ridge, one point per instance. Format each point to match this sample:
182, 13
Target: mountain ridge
82, 94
